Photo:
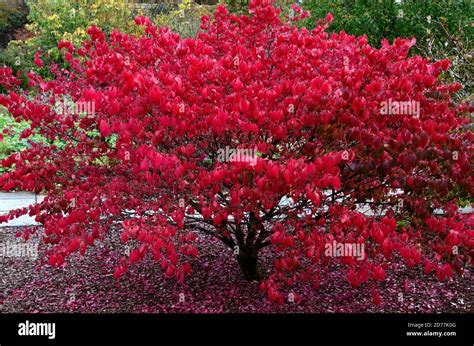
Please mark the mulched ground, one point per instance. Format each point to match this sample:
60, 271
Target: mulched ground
86, 284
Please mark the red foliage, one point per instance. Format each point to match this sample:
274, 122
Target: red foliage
145, 164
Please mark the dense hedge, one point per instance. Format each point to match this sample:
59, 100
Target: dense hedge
441, 31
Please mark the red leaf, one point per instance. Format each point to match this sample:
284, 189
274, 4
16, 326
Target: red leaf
104, 128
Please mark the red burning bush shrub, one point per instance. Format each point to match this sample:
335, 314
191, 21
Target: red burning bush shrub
258, 134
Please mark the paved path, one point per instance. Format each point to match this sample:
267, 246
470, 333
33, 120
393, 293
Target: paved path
15, 200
